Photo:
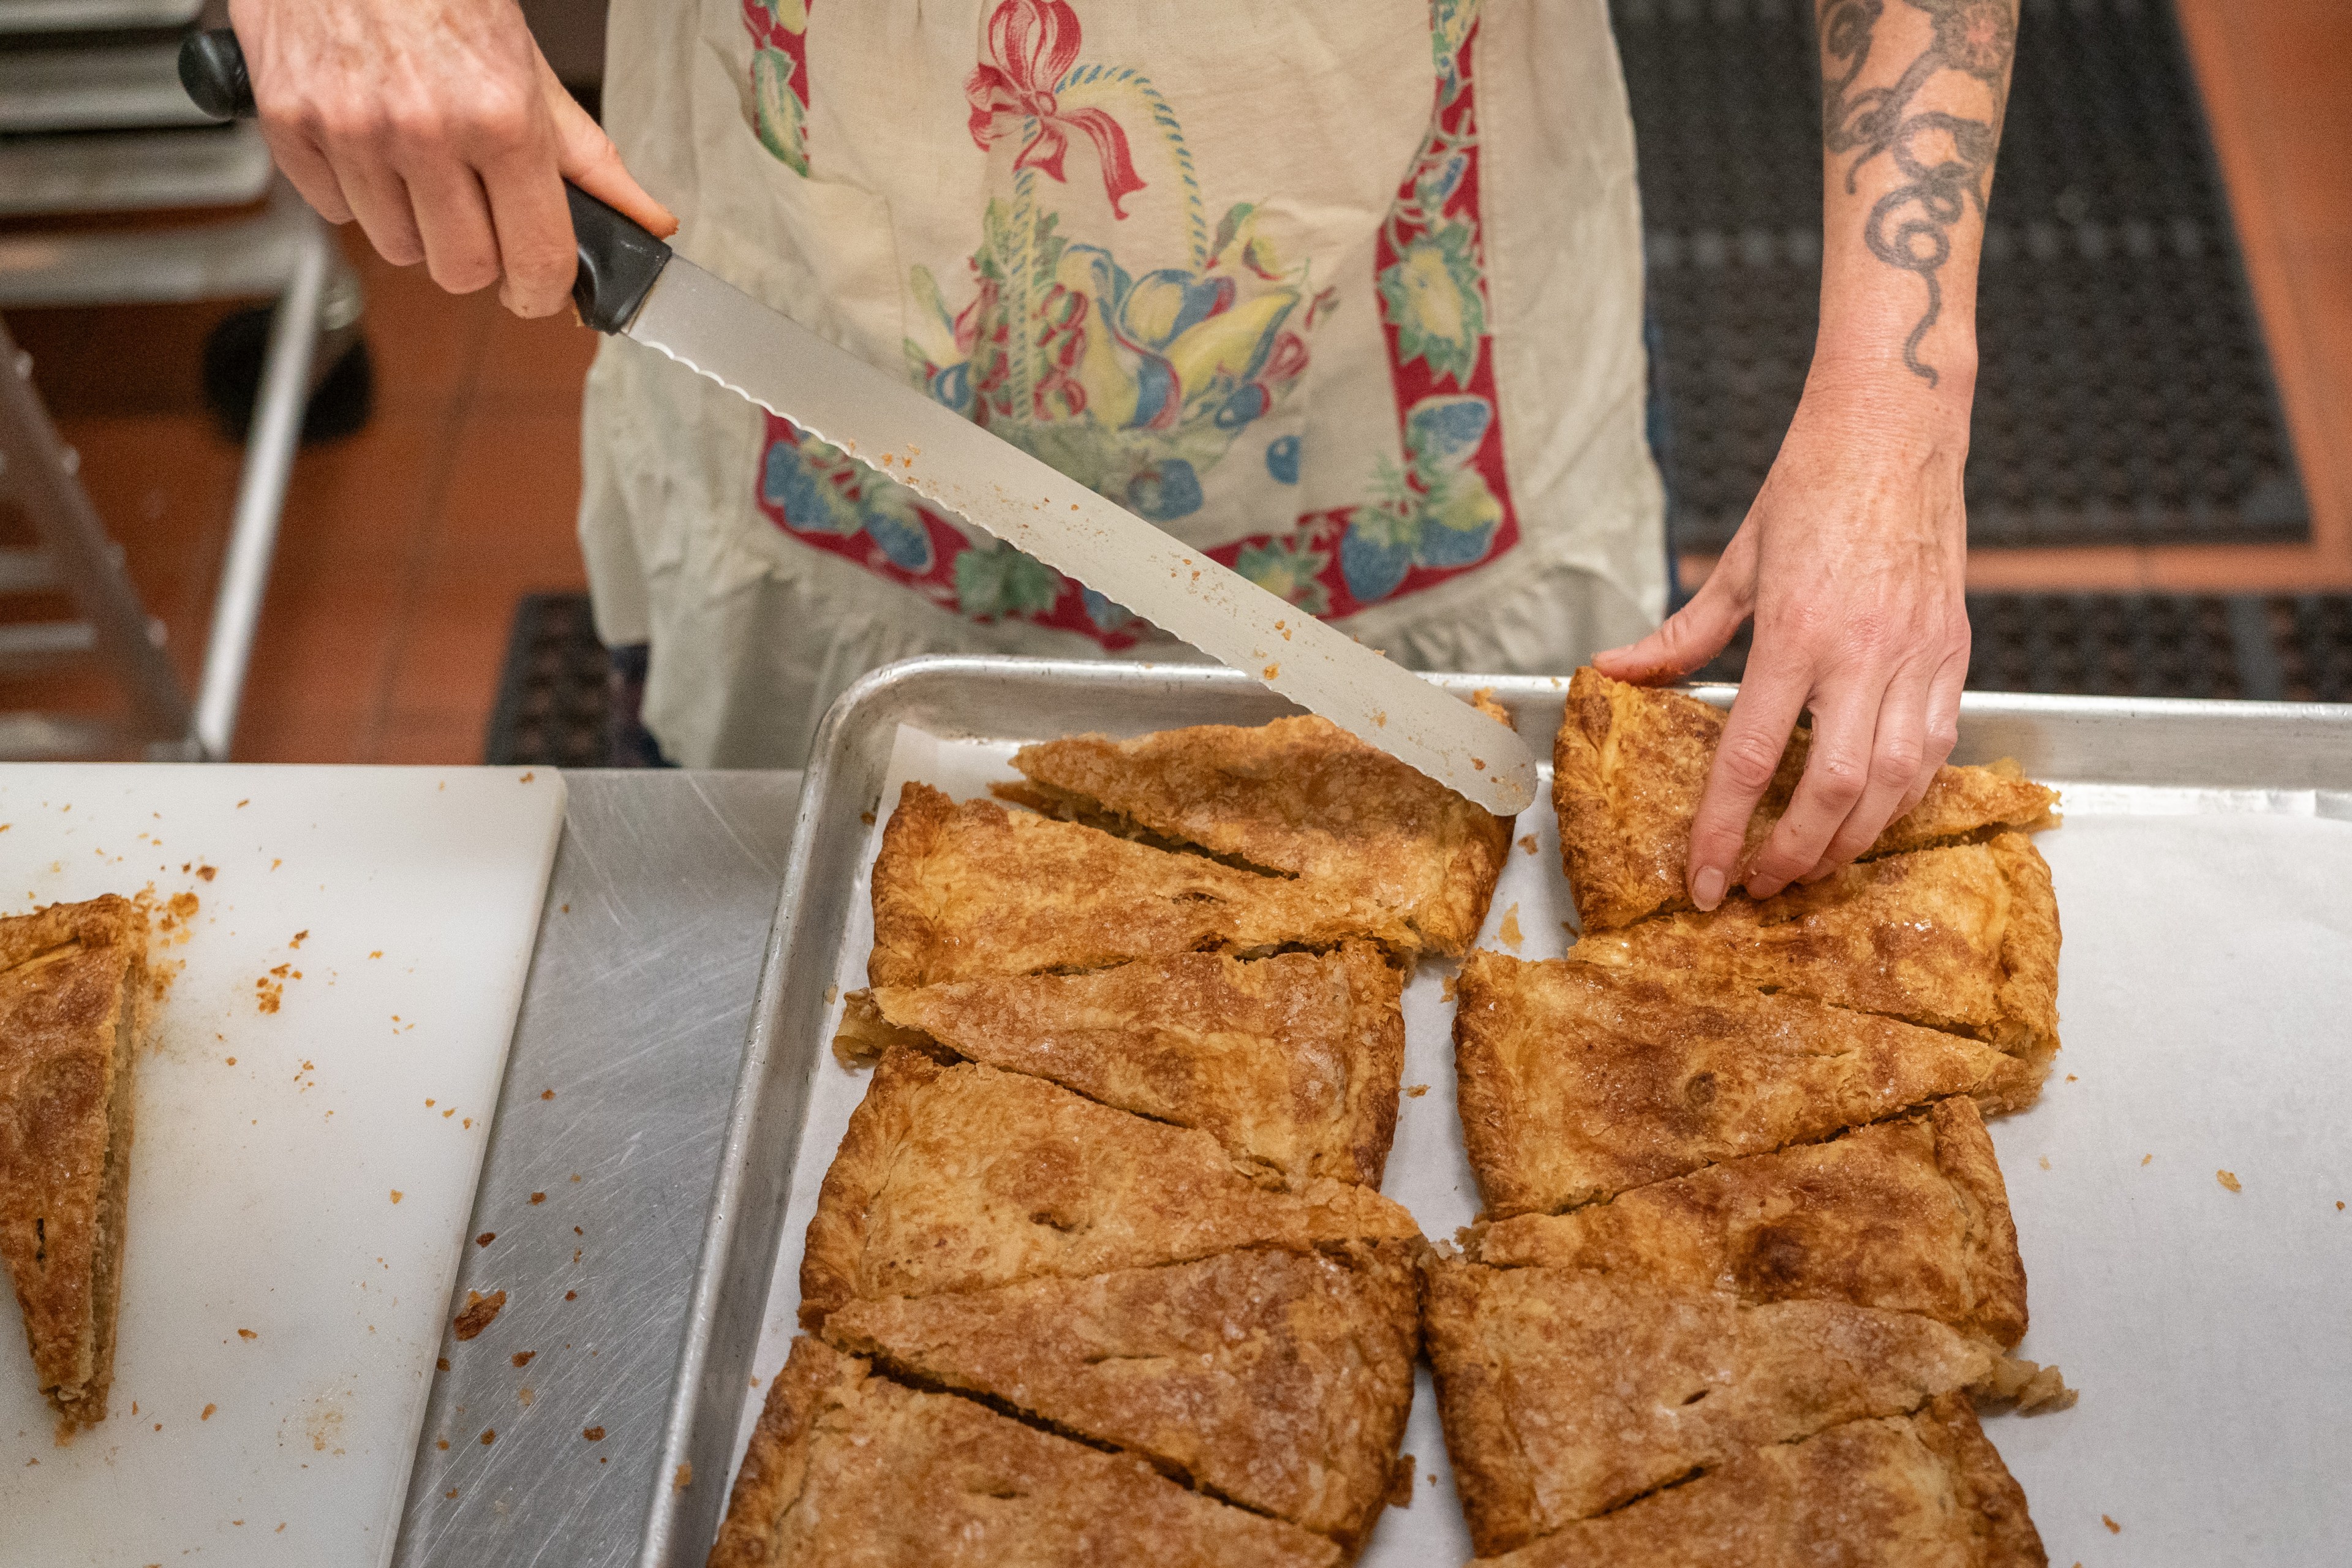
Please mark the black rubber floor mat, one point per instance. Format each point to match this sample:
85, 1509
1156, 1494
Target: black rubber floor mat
565, 701
553, 702
2292, 648
2123, 394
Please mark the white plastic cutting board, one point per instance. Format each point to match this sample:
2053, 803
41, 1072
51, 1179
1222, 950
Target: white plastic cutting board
270, 1144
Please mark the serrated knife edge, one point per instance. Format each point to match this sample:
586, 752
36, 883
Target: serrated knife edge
717, 331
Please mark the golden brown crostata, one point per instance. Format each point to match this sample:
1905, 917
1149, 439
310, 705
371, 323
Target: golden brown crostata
1576, 1080
1921, 1491
72, 989
1629, 767
1567, 1392
1963, 938
849, 1466
1298, 796
1100, 1271
1291, 1061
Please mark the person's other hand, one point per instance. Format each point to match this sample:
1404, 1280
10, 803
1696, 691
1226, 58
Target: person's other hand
1852, 562
439, 126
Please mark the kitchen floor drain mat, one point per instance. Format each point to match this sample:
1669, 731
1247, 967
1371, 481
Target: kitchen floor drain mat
2123, 395
2293, 648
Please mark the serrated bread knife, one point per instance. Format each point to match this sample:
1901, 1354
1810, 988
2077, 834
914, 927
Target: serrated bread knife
633, 284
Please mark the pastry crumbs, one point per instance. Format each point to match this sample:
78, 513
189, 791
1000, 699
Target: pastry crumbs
2230, 1180
480, 1312
593, 1434
2112, 1527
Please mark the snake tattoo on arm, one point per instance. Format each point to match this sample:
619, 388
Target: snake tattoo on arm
1944, 158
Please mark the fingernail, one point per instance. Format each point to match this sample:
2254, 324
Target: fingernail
1707, 887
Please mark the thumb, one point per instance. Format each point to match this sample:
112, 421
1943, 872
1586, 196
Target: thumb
586, 157
1690, 637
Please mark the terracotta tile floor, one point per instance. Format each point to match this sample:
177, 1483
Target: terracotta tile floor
405, 548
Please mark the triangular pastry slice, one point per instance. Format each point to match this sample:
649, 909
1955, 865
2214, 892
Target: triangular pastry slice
1963, 938
1301, 797
960, 1177
72, 989
1923, 1490
1279, 1380
972, 889
849, 1468
1566, 1393
1576, 1080
1290, 1061
1909, 1214
1631, 762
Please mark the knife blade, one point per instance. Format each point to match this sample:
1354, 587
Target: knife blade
713, 328
631, 283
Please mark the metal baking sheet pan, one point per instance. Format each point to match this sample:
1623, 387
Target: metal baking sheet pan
2206, 1001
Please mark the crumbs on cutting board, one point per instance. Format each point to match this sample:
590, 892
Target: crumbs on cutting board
1509, 930
2230, 1180
1527, 844
1416, 1090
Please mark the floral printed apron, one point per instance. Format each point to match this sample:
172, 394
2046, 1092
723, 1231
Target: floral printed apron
1345, 292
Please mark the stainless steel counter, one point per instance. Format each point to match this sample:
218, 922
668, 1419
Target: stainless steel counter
615, 1102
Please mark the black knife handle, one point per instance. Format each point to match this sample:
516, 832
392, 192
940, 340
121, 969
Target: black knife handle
212, 69
619, 258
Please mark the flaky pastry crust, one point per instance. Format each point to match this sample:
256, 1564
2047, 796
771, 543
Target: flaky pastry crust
1279, 1380
1566, 1393
960, 1177
1629, 765
1576, 1080
1924, 1490
72, 978
1963, 938
962, 890
1910, 1214
1300, 796
848, 1470
1290, 1061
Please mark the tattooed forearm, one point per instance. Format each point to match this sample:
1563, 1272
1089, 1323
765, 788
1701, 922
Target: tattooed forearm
1942, 155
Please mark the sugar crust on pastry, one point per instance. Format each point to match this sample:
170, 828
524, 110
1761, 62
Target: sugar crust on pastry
1629, 765
1300, 796
1923, 1490
1279, 1380
72, 994
1566, 1393
1910, 1214
972, 889
1578, 1080
959, 1177
1291, 1061
849, 1469
1963, 938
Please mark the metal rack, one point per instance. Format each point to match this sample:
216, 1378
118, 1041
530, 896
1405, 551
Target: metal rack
95, 121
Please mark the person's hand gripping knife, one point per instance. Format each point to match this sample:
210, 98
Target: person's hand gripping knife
1852, 558
439, 127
